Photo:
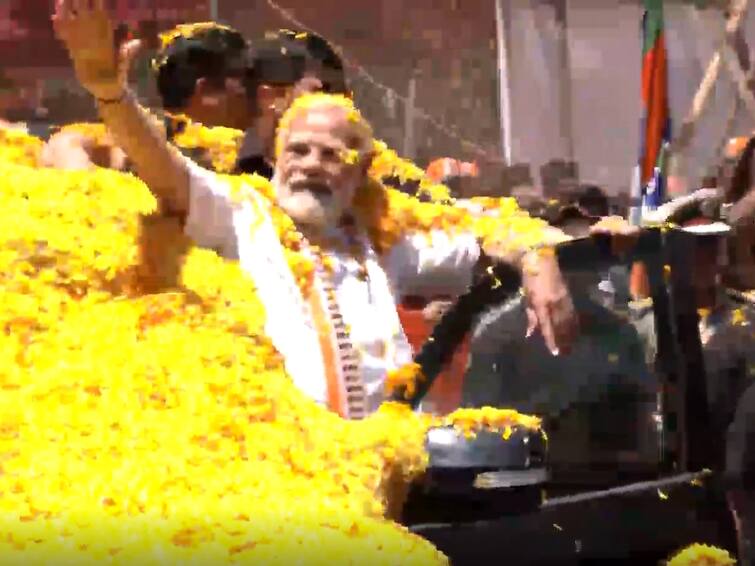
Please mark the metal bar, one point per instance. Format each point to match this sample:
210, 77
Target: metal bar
409, 116
504, 81
502, 283
737, 10
731, 58
629, 489
564, 82
666, 364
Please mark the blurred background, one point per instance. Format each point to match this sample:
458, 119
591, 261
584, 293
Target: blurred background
426, 74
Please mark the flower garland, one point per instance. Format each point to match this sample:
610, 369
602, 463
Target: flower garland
469, 422
222, 144
387, 213
387, 164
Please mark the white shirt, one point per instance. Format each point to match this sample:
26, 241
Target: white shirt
417, 264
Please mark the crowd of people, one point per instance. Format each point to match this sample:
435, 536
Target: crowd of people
350, 285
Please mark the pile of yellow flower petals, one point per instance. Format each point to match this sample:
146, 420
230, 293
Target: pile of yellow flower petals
471, 421
387, 164
389, 214
17, 146
466, 421
158, 429
702, 555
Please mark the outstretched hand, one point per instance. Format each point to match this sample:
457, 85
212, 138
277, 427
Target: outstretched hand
549, 306
86, 30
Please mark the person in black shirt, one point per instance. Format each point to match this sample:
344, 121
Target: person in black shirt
217, 78
284, 65
200, 73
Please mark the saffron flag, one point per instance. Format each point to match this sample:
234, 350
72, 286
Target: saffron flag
655, 133
648, 186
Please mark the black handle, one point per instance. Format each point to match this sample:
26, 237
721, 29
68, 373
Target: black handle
501, 284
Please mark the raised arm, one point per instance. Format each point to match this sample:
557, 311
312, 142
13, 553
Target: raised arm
87, 32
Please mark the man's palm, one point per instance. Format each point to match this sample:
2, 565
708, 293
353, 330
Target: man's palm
88, 36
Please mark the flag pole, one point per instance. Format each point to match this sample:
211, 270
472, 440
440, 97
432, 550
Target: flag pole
504, 82
564, 79
409, 117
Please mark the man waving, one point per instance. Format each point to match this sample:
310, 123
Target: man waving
339, 334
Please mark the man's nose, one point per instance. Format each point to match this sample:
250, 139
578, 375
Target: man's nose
312, 162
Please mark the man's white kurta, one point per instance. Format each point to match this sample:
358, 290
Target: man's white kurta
243, 229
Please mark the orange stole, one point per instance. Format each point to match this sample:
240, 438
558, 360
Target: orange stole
331, 360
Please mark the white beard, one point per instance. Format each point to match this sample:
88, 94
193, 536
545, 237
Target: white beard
311, 209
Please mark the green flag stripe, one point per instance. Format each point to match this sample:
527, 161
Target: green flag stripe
653, 24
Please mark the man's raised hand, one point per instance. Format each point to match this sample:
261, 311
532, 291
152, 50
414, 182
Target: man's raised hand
85, 28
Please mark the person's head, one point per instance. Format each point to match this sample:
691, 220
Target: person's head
324, 150
576, 222
284, 65
592, 200
200, 73
573, 221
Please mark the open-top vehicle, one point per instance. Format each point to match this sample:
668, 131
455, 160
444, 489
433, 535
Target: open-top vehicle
497, 498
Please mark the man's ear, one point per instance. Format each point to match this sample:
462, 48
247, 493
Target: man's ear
367, 161
266, 96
